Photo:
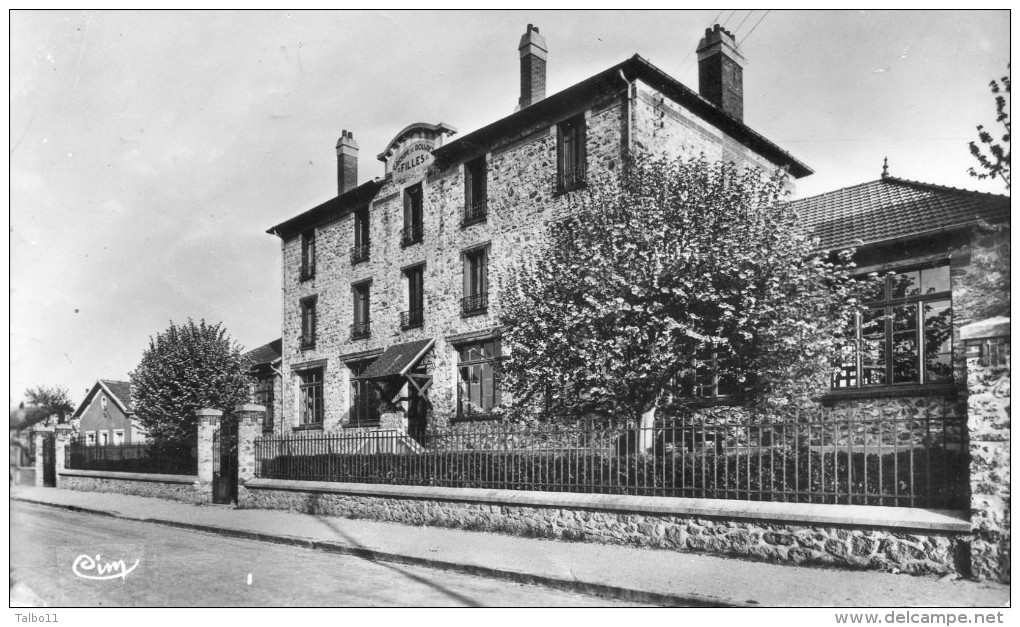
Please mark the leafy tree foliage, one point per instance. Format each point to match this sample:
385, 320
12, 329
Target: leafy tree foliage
992, 155
53, 401
186, 368
669, 260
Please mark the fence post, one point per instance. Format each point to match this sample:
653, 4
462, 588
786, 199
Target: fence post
39, 434
63, 439
249, 427
988, 430
208, 422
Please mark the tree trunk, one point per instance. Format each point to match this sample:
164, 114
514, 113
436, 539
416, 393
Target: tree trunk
646, 434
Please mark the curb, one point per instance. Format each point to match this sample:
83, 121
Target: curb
569, 585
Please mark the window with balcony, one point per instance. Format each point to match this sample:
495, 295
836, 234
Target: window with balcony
906, 334
413, 216
308, 321
359, 252
476, 282
365, 397
571, 156
414, 298
312, 401
478, 391
307, 255
362, 326
475, 201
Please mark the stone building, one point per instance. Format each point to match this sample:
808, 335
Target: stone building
391, 288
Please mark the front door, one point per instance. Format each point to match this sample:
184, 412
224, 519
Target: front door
225, 461
417, 413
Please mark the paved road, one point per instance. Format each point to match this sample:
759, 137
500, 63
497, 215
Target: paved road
178, 567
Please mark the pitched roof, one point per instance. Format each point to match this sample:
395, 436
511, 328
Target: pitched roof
265, 354
397, 360
892, 208
328, 211
118, 391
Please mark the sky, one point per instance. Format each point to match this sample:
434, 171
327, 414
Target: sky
150, 151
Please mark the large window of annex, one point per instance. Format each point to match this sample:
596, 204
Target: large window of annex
905, 335
478, 388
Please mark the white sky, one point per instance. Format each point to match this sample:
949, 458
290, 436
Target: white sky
149, 152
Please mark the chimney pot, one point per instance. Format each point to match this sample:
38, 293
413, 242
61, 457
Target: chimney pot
346, 162
721, 71
533, 51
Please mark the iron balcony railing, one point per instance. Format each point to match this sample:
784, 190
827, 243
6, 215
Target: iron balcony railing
475, 304
411, 234
153, 457
412, 319
475, 212
361, 330
359, 253
822, 457
572, 178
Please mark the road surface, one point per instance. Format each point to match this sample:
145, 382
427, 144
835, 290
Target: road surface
73, 559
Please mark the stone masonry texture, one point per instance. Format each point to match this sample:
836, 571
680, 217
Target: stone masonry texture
184, 492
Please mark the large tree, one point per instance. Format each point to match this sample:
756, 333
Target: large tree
667, 261
187, 367
994, 153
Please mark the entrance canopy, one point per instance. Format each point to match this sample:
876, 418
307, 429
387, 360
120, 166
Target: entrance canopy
398, 360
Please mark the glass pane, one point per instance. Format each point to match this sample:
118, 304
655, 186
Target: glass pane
875, 291
905, 284
938, 368
905, 318
846, 373
905, 358
938, 326
935, 280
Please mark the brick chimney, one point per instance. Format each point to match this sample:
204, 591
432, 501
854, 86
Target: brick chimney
533, 52
721, 71
346, 162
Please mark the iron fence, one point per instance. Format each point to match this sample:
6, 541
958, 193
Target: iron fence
153, 457
917, 461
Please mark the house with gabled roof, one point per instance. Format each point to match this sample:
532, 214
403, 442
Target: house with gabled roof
106, 415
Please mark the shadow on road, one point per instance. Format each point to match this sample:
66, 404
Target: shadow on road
466, 600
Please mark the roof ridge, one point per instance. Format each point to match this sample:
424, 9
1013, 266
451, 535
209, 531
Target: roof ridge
945, 188
835, 191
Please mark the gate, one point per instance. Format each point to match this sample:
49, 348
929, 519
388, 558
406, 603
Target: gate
49, 453
225, 461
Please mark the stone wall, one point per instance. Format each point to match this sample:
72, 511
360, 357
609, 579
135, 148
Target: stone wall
909, 551
184, 488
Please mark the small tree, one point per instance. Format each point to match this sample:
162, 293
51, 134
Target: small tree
668, 261
187, 367
54, 401
993, 156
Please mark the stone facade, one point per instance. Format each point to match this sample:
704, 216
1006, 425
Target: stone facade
184, 488
910, 551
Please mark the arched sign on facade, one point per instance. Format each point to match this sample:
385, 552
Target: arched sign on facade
409, 155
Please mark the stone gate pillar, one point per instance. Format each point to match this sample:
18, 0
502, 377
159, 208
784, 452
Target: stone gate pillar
39, 436
988, 427
249, 427
63, 440
208, 422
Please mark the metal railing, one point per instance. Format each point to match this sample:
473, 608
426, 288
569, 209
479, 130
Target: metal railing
361, 330
154, 457
412, 319
475, 212
411, 234
475, 304
917, 461
359, 253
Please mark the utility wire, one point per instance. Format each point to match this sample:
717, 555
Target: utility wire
755, 26
737, 29
729, 18
715, 19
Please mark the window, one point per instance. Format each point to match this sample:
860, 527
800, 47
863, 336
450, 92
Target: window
414, 297
359, 252
312, 402
264, 395
478, 391
476, 282
308, 321
90, 438
307, 255
906, 334
475, 201
708, 383
362, 326
104, 438
118, 437
571, 157
412, 233
365, 397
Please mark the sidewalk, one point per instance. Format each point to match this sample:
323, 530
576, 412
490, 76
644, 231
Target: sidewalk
643, 575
